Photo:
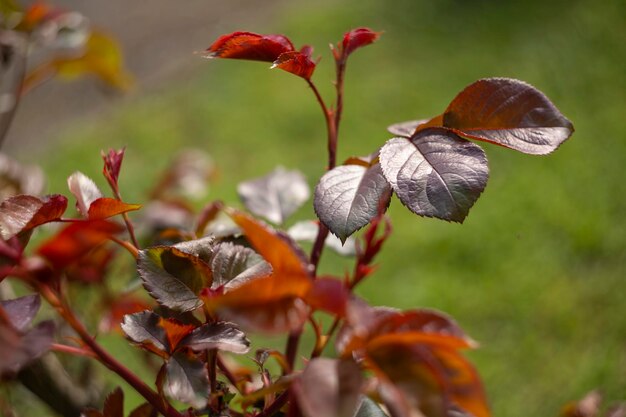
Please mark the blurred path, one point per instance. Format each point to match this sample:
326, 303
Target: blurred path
158, 38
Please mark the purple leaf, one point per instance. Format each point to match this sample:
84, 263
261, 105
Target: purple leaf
144, 328
509, 113
21, 311
187, 380
19, 349
329, 388
405, 129
233, 265
276, 195
435, 173
349, 196
223, 336
173, 277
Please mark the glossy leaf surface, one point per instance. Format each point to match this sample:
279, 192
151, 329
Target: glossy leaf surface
297, 63
329, 387
251, 46
104, 207
145, 328
187, 380
276, 195
221, 335
509, 113
75, 240
349, 196
357, 38
173, 277
435, 173
233, 265
24, 212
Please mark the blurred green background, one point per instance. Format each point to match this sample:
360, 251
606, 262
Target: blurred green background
536, 273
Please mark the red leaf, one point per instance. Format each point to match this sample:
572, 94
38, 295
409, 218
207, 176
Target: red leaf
112, 164
357, 38
75, 240
328, 294
120, 308
297, 63
175, 331
25, 212
251, 46
114, 404
105, 207
93, 267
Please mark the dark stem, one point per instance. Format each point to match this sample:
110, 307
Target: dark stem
211, 364
107, 360
276, 405
127, 222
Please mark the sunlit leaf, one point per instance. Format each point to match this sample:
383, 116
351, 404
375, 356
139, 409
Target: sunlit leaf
509, 113
307, 230
437, 382
93, 267
357, 38
435, 173
104, 207
117, 309
349, 196
221, 335
251, 46
278, 249
24, 212
145, 328
75, 240
234, 265
405, 129
276, 195
329, 388
85, 191
271, 304
173, 277
187, 380
296, 63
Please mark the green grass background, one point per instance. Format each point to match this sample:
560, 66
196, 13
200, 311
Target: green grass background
537, 271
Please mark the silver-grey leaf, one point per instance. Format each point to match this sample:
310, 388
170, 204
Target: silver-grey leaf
234, 265
349, 196
405, 129
202, 248
21, 311
369, 408
144, 327
222, 335
187, 380
435, 173
85, 191
276, 195
167, 289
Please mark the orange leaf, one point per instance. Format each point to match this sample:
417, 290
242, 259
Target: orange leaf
105, 207
278, 249
175, 331
434, 381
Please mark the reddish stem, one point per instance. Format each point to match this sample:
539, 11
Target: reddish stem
72, 350
107, 360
